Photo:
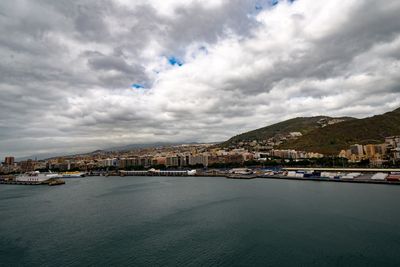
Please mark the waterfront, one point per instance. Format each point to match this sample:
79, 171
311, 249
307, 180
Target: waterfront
169, 221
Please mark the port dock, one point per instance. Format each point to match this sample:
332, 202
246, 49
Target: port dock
319, 179
243, 177
50, 182
19, 183
157, 173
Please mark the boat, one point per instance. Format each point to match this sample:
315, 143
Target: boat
191, 172
241, 171
379, 176
36, 177
72, 174
393, 177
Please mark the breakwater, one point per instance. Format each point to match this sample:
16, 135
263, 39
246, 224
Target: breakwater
51, 182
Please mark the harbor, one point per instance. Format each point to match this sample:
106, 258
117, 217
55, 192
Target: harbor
341, 175
347, 175
323, 179
154, 172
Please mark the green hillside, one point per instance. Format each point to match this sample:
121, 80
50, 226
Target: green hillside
301, 124
333, 138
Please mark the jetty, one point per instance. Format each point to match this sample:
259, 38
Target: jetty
153, 172
50, 182
242, 176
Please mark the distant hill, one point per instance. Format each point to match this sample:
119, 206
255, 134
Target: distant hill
39, 156
138, 146
45, 156
333, 138
327, 138
303, 125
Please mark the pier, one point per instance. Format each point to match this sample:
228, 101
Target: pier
19, 183
50, 182
342, 169
319, 179
157, 173
241, 176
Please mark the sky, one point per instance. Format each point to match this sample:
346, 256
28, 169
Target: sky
77, 76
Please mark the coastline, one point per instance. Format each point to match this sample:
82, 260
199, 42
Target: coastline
360, 180
317, 179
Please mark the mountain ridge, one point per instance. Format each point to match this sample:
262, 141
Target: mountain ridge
333, 138
329, 139
298, 124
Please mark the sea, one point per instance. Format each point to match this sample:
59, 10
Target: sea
199, 221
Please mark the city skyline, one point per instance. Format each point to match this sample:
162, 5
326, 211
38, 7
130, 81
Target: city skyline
80, 77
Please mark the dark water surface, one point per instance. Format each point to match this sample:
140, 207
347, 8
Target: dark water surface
170, 221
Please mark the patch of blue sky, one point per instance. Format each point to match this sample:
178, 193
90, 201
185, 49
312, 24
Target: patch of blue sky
137, 86
175, 61
274, 2
265, 4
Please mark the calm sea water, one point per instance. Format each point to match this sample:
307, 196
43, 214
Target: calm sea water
181, 221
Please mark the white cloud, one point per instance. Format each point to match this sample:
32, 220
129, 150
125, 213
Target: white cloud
69, 77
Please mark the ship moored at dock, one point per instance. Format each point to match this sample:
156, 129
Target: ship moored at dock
33, 178
72, 175
36, 176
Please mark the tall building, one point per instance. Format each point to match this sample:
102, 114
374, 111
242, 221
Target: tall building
27, 165
381, 149
9, 161
370, 150
172, 161
198, 159
393, 141
128, 162
396, 154
160, 160
357, 150
110, 162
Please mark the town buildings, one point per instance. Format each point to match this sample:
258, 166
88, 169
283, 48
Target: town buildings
9, 161
202, 155
172, 157
377, 154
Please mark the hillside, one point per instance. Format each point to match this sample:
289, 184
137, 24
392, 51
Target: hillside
300, 124
333, 138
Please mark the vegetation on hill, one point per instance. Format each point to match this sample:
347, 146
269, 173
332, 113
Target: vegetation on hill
333, 138
327, 139
300, 124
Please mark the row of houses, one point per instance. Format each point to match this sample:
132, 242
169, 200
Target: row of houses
377, 154
205, 159
179, 160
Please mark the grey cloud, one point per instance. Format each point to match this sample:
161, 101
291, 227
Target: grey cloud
102, 62
67, 67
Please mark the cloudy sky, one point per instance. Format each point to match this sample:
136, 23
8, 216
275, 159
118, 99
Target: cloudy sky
82, 75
